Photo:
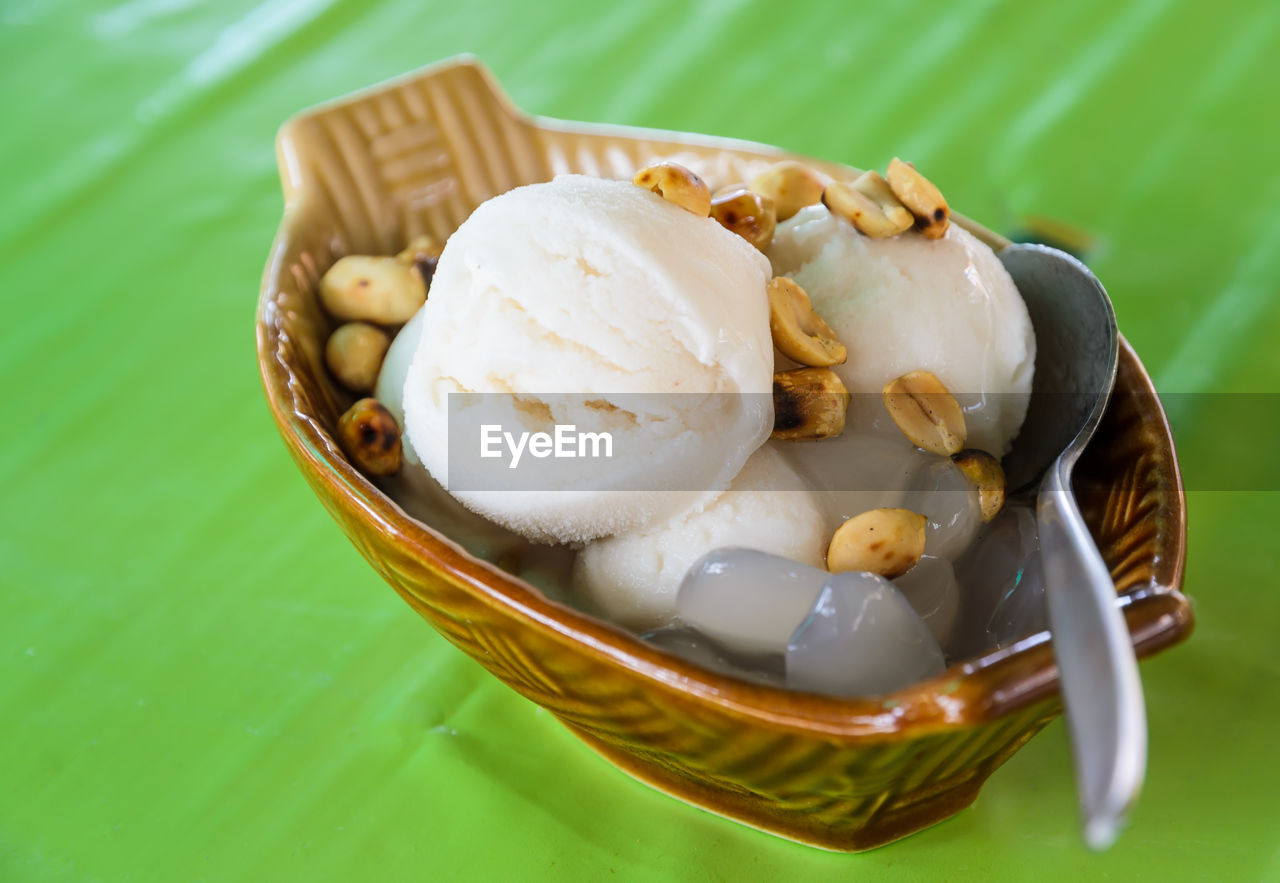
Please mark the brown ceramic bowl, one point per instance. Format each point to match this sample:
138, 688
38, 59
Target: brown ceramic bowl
364, 175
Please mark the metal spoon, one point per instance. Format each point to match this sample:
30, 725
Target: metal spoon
1077, 352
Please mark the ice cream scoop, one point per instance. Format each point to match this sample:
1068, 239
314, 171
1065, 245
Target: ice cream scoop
633, 578
395, 368
592, 303
906, 303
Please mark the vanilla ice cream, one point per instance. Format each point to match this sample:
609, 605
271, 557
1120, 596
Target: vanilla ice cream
906, 303
633, 578
395, 368
595, 303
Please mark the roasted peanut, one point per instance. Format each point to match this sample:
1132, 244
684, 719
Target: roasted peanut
987, 476
798, 332
808, 404
369, 435
354, 354
869, 204
419, 247
676, 184
791, 186
926, 412
921, 197
422, 252
383, 290
748, 214
884, 541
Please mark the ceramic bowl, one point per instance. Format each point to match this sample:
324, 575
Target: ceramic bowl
366, 173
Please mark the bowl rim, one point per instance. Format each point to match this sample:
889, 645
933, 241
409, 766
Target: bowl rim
969, 692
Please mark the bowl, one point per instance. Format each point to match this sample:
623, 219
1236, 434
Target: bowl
365, 174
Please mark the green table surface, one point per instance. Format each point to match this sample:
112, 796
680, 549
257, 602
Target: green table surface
200, 678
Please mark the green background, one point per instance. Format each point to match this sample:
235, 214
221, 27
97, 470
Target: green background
199, 676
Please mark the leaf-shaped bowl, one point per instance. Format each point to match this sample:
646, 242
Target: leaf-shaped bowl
366, 173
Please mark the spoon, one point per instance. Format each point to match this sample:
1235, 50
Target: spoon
1077, 346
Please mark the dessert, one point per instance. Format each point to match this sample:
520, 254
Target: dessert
862, 638
905, 303
851, 633
886, 542
367, 288
354, 354
369, 435
806, 386
598, 303
632, 578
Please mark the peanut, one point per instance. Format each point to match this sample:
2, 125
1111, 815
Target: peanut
422, 252
808, 404
798, 332
987, 476
354, 354
921, 197
869, 204
748, 214
926, 412
884, 541
370, 437
791, 186
676, 184
382, 290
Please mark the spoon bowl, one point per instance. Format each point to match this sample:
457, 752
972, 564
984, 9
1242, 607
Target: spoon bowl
1078, 349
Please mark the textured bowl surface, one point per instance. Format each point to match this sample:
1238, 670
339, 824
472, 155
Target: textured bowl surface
367, 173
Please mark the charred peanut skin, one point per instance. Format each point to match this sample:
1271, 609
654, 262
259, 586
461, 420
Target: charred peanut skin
808, 404
420, 247
791, 186
748, 214
354, 354
382, 290
926, 412
869, 204
798, 332
422, 253
676, 184
884, 541
370, 437
921, 197
987, 475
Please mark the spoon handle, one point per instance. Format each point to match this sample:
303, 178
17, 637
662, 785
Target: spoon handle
1097, 669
